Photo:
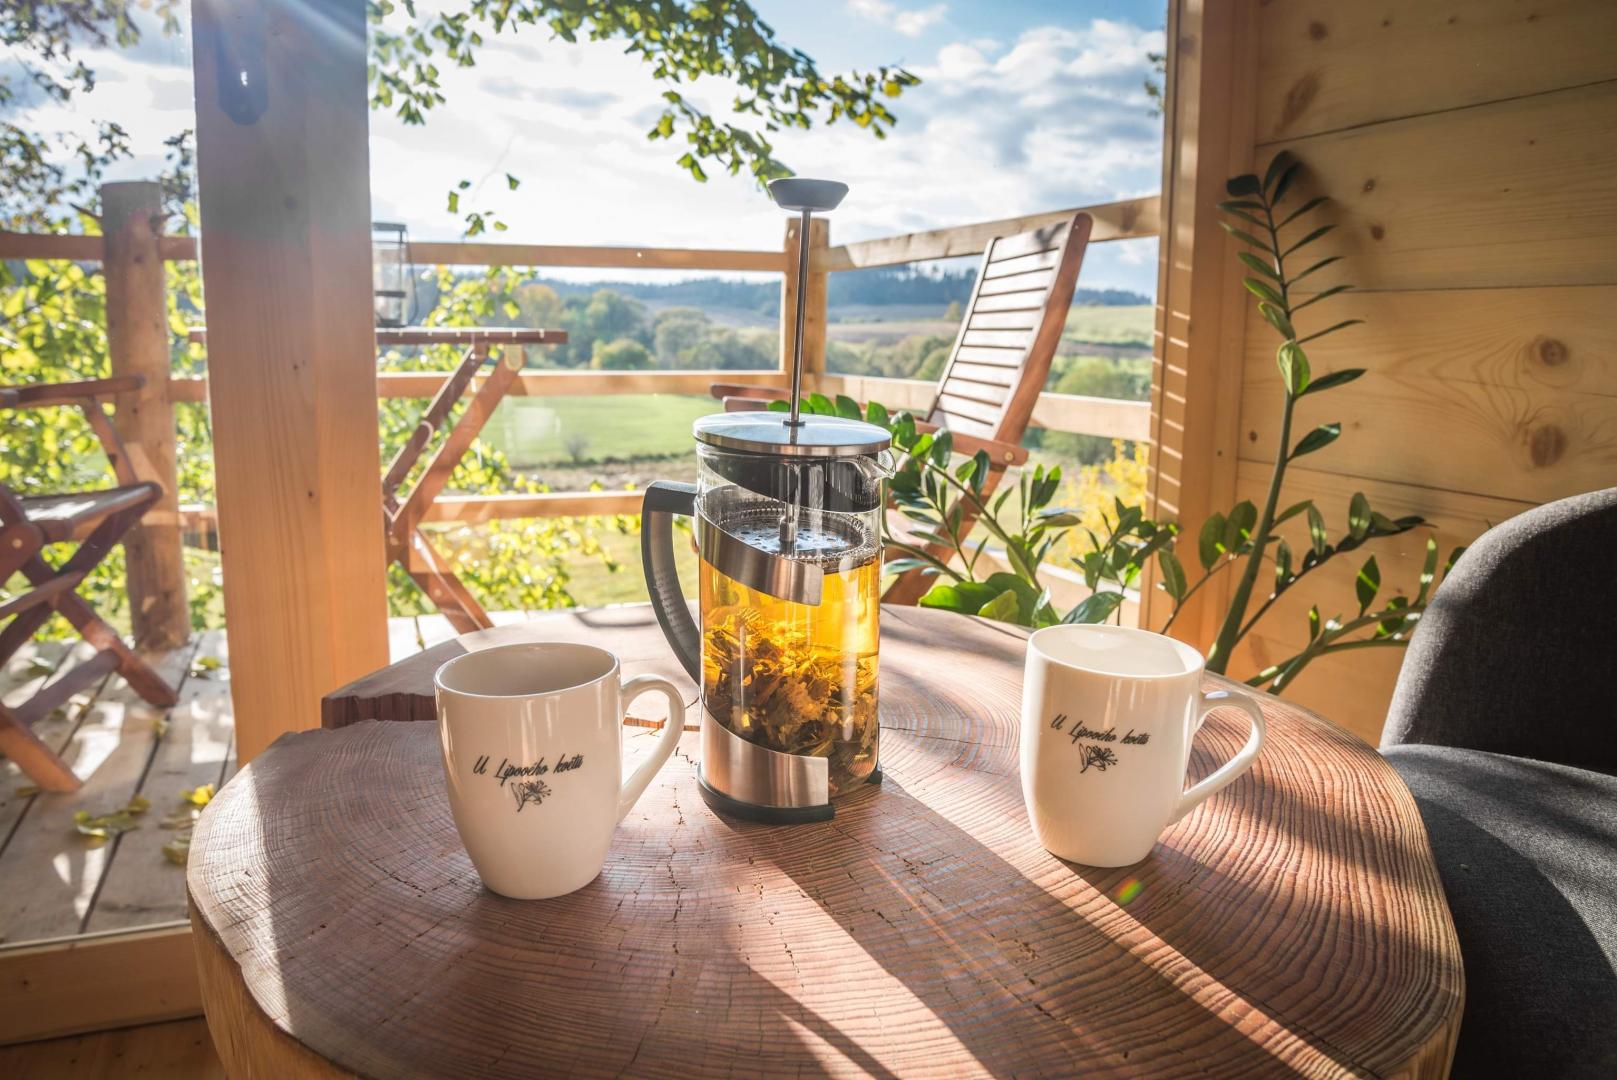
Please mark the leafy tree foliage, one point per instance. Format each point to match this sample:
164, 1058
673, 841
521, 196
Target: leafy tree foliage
775, 86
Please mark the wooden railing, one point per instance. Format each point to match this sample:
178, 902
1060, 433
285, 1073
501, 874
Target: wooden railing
123, 261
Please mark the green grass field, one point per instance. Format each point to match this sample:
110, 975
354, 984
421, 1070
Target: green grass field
1130, 325
558, 430
535, 432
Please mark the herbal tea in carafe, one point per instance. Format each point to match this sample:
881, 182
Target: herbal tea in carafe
787, 522
796, 678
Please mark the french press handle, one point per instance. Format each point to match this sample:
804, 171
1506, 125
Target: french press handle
664, 499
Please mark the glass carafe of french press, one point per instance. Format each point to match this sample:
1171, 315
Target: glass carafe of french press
787, 513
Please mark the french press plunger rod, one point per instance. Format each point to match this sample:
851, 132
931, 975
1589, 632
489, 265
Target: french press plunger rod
804, 196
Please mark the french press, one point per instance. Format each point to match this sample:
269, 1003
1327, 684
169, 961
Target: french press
787, 512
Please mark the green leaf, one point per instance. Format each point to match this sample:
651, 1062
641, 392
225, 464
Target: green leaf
1238, 528
1313, 622
1397, 607
1243, 185
1324, 294
778, 406
966, 597
1240, 204
1095, 609
848, 408
1006, 607
1209, 542
1318, 538
1282, 565
1292, 511
1318, 439
1333, 380
819, 404
1284, 183
1330, 330
1322, 264
1255, 263
1278, 164
1428, 571
1261, 290
876, 413
1314, 203
1244, 236
512, 182
1173, 574
1367, 584
1310, 238
1276, 318
1358, 516
965, 470
942, 447
1293, 364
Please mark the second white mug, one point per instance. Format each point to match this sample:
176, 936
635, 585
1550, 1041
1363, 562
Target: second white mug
1108, 715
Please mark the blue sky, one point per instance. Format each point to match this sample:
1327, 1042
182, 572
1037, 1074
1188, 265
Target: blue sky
1024, 106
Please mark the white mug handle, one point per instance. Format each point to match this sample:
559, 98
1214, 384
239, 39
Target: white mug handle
1235, 766
673, 728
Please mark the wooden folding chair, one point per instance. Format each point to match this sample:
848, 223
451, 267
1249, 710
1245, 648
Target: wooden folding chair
98, 520
1000, 361
407, 544
402, 515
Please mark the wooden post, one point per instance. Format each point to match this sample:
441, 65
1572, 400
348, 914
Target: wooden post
284, 180
1200, 331
814, 315
137, 340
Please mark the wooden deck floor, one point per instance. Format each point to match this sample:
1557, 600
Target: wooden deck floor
58, 883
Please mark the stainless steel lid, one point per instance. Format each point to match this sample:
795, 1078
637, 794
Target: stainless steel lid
769, 433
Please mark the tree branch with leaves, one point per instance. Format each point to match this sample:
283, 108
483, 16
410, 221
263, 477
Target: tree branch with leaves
776, 87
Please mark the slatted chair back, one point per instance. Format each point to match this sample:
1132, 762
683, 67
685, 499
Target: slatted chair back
1013, 324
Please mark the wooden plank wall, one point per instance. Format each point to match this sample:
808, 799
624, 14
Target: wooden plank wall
1469, 149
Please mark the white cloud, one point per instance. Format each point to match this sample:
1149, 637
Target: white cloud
1056, 117
909, 22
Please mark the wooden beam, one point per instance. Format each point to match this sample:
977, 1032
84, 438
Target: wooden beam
1125, 220
137, 342
95, 981
1111, 418
14, 245
412, 384
284, 188
434, 253
1200, 331
478, 509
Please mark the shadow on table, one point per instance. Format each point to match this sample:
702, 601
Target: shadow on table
1020, 979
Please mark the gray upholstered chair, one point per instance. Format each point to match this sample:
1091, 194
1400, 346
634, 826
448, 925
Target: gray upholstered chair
1504, 725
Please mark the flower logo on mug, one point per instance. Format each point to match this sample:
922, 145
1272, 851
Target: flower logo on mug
530, 791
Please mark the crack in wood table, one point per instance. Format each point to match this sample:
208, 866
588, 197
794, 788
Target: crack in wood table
1293, 924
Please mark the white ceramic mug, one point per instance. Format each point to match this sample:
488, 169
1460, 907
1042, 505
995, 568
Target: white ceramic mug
1108, 715
532, 740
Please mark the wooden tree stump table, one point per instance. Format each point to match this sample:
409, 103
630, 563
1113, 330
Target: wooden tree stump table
1292, 924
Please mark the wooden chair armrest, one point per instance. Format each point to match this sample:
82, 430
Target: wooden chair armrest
745, 404
37, 395
1000, 454
721, 390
